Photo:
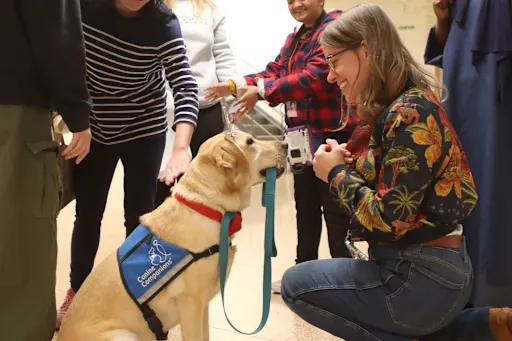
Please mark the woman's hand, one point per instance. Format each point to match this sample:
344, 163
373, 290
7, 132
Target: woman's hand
176, 166
442, 9
180, 157
329, 156
216, 91
79, 147
246, 102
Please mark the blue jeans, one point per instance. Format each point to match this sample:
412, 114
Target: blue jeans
401, 294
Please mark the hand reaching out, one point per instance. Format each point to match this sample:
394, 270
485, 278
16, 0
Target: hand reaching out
176, 166
216, 91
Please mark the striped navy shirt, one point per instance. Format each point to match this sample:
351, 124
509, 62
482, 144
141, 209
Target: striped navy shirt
128, 62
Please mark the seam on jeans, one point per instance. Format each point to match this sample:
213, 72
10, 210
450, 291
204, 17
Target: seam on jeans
436, 260
335, 287
444, 317
439, 279
392, 314
332, 315
456, 251
404, 285
398, 291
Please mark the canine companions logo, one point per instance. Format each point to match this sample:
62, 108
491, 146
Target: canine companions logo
160, 261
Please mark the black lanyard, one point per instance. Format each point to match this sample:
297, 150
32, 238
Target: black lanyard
298, 37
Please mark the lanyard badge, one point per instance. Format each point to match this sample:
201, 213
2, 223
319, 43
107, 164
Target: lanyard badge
300, 150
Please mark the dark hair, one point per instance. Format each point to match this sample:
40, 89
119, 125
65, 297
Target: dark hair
155, 6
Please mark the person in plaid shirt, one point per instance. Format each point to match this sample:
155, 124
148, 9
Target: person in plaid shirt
298, 78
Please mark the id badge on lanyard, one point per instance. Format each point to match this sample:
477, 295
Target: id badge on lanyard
300, 140
300, 146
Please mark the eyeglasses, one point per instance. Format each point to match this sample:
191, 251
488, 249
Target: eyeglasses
329, 57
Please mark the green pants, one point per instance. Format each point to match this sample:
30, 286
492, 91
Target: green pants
28, 211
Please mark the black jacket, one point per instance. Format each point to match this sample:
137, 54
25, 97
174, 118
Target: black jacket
42, 58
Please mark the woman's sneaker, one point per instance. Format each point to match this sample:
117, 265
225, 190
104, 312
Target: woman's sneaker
70, 294
276, 287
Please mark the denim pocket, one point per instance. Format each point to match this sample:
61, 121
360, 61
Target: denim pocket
425, 301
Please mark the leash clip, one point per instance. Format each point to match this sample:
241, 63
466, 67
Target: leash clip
354, 250
230, 127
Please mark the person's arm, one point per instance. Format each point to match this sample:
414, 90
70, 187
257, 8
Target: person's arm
415, 156
438, 35
54, 31
225, 63
297, 86
433, 50
442, 30
184, 86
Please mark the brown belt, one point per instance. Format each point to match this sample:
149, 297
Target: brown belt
449, 242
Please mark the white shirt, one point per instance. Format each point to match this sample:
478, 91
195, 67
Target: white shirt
209, 54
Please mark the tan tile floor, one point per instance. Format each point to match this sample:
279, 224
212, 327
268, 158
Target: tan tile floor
243, 299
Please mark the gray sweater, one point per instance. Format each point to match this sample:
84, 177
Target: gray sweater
208, 51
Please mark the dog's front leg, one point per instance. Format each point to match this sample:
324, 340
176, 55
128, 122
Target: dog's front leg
206, 323
191, 318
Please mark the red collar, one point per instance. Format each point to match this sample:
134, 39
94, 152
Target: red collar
234, 226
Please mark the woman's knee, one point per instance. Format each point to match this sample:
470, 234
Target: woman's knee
298, 280
289, 283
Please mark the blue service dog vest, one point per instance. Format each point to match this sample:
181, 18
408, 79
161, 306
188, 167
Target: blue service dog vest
147, 265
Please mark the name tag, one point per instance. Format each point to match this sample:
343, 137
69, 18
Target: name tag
291, 109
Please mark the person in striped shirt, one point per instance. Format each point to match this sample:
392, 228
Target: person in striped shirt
130, 46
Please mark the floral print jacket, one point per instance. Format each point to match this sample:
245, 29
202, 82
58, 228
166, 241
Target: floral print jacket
410, 181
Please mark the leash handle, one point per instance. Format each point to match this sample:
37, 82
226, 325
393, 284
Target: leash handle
268, 201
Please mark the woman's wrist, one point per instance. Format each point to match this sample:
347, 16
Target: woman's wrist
232, 87
442, 30
184, 132
334, 172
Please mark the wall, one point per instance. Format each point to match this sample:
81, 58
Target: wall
258, 29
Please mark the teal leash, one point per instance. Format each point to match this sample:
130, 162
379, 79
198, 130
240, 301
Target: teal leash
268, 201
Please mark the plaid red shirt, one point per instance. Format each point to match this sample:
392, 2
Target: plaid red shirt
302, 77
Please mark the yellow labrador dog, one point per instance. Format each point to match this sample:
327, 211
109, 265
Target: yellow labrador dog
221, 178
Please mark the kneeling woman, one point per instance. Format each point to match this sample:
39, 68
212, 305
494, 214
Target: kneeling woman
407, 188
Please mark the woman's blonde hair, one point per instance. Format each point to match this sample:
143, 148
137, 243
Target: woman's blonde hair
199, 6
391, 64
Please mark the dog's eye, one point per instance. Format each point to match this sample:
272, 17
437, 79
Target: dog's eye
250, 141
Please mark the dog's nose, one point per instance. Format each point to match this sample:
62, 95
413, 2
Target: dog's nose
284, 145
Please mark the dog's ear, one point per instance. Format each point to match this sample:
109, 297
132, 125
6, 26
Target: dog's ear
227, 154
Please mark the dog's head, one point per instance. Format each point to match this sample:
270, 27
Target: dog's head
230, 166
